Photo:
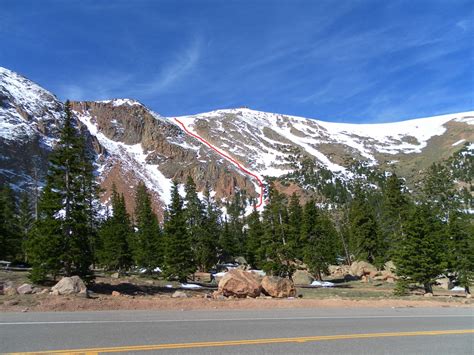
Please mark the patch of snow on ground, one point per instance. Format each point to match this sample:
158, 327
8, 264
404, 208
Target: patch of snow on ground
458, 142
190, 286
322, 283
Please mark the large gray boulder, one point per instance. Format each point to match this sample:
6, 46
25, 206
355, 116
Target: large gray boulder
278, 287
69, 285
302, 277
239, 283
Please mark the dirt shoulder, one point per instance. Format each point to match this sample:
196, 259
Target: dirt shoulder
141, 294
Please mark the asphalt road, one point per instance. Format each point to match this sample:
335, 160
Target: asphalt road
294, 331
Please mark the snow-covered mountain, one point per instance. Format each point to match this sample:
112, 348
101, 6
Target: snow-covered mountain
135, 144
268, 142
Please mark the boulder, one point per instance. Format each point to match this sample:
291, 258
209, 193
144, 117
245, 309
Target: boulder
239, 283
179, 294
278, 287
9, 289
25, 289
69, 285
116, 293
390, 267
338, 270
361, 268
115, 275
302, 277
428, 294
445, 283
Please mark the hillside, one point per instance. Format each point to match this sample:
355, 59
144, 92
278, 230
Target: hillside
132, 143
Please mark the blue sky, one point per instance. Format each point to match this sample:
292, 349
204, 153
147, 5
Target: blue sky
352, 61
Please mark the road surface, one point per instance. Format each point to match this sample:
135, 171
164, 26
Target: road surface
296, 331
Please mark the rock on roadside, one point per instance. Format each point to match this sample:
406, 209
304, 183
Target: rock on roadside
278, 287
69, 285
362, 268
302, 277
25, 289
239, 283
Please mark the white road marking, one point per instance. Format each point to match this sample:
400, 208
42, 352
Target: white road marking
229, 319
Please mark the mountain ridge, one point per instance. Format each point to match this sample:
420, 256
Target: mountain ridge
132, 143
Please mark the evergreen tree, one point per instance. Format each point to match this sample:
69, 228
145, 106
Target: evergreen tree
45, 245
394, 208
227, 244
460, 253
419, 257
147, 244
10, 236
236, 211
439, 190
194, 215
295, 218
319, 239
364, 231
206, 250
65, 217
178, 261
25, 222
255, 253
115, 235
279, 258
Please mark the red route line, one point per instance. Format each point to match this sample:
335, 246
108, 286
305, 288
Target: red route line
260, 183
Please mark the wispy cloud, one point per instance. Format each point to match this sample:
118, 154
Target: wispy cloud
113, 84
175, 71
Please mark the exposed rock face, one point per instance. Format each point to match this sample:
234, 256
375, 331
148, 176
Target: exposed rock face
239, 283
30, 118
302, 277
69, 285
362, 268
139, 145
278, 287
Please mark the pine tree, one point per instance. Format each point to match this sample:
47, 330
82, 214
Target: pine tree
178, 261
295, 218
65, 214
364, 231
439, 190
148, 246
394, 207
319, 239
45, 245
227, 244
254, 254
236, 211
279, 259
419, 257
115, 235
206, 251
194, 214
25, 222
460, 248
10, 236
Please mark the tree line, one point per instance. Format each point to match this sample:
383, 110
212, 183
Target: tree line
425, 235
